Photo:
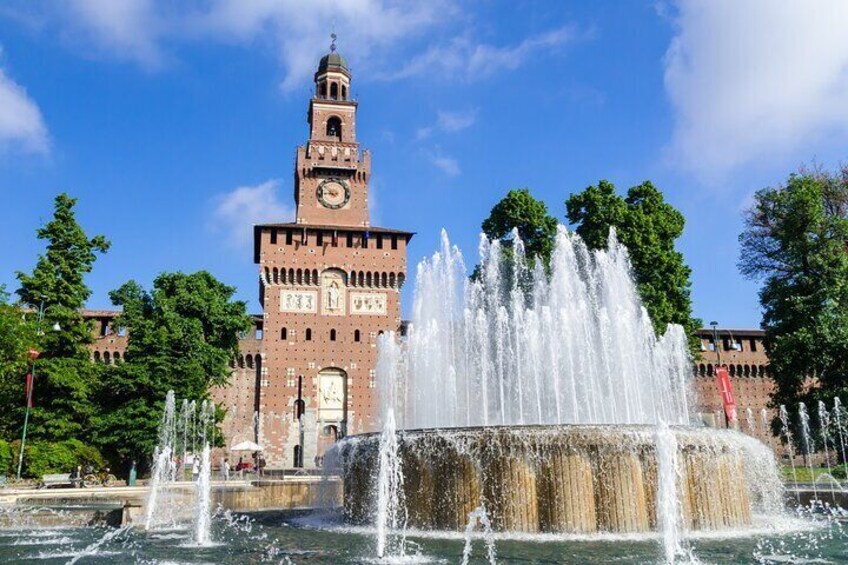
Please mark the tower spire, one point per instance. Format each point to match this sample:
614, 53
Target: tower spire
333, 38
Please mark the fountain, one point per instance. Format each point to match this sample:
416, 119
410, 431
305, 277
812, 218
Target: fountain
169, 500
546, 399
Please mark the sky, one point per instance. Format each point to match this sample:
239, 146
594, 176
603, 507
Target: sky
176, 124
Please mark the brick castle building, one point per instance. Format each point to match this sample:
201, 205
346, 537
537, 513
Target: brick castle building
329, 284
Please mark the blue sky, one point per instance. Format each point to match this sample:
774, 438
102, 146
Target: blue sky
176, 127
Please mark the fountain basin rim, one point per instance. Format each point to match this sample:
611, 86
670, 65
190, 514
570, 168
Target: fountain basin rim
624, 429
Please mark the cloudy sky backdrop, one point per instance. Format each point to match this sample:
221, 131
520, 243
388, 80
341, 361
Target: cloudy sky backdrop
175, 124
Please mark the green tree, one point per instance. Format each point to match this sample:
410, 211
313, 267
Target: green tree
520, 211
649, 227
182, 335
58, 281
65, 374
796, 242
17, 336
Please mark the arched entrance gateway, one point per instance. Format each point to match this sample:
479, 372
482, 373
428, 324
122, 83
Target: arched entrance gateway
332, 411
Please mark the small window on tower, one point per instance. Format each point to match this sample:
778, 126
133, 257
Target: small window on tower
379, 241
323, 90
332, 335
356, 335
283, 334
288, 237
308, 334
350, 239
320, 239
394, 242
334, 91
334, 128
344, 92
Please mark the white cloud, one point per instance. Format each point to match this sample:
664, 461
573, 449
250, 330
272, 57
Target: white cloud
373, 34
237, 211
755, 81
122, 28
296, 30
449, 122
468, 59
21, 124
447, 165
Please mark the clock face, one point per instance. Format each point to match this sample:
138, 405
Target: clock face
333, 193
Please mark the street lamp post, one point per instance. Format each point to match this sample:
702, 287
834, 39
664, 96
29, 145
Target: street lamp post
33, 355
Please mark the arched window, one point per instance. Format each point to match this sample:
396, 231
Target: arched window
334, 128
249, 360
276, 278
344, 92
702, 369
283, 278
322, 90
368, 279
334, 91
241, 361
401, 278
308, 334
107, 358
332, 335
283, 334
97, 357
392, 280
232, 363
356, 335
308, 277
738, 370
710, 369
384, 280
300, 276
267, 275
117, 356
352, 278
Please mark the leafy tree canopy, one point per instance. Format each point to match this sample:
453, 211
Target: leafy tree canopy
536, 227
796, 242
58, 281
649, 227
182, 335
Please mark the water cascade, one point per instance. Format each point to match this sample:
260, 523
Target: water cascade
824, 433
170, 499
164, 470
839, 418
806, 436
203, 500
787, 435
547, 399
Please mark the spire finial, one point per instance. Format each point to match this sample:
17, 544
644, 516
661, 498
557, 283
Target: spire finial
333, 37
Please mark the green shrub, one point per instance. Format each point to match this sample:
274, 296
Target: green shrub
6, 458
43, 458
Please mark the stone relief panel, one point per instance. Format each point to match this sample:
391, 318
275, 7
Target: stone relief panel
299, 301
368, 303
331, 395
333, 293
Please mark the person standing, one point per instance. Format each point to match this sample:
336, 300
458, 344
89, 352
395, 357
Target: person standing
225, 469
195, 468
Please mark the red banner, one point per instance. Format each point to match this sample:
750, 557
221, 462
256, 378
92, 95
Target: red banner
726, 391
29, 390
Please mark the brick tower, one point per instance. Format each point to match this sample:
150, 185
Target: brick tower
330, 284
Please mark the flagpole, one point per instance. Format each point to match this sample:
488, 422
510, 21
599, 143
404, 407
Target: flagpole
33, 355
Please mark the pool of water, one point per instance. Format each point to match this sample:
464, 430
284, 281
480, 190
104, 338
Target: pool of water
313, 540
